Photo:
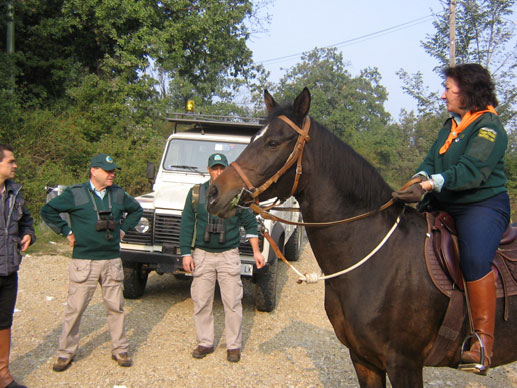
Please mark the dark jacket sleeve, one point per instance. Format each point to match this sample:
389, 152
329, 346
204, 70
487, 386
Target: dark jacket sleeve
187, 226
249, 222
134, 213
50, 212
26, 225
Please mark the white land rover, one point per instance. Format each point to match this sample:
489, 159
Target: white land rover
154, 244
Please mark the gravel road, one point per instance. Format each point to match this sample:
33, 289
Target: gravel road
294, 346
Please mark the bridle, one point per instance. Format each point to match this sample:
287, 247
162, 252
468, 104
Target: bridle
296, 156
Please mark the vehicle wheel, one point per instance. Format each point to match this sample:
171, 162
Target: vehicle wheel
265, 288
293, 248
135, 280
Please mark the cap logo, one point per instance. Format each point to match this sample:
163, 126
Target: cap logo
109, 159
217, 157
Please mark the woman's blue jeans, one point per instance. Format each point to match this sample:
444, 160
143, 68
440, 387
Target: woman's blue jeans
480, 227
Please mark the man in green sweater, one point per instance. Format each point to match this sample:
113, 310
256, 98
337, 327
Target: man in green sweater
96, 209
216, 257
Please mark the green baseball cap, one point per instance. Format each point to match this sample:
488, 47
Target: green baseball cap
217, 159
104, 161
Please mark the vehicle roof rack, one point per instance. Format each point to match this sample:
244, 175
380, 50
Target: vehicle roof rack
207, 122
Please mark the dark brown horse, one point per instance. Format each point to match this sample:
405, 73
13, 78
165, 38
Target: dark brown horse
387, 312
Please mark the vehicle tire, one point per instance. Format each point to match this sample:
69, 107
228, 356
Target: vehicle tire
293, 248
135, 280
265, 288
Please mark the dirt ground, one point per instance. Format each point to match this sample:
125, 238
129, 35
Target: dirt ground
294, 346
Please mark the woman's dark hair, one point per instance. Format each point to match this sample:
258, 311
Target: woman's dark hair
476, 86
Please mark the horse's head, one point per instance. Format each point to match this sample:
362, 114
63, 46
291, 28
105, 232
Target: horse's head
267, 166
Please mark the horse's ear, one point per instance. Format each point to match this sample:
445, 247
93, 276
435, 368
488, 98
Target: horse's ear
269, 100
302, 104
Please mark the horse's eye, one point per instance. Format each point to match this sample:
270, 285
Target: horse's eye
272, 144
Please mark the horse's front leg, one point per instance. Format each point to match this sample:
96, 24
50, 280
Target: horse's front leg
406, 374
368, 375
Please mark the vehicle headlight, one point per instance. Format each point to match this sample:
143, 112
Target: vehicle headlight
143, 225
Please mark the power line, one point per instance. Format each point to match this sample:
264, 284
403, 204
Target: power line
358, 39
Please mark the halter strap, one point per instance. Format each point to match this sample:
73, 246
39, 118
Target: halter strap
243, 176
296, 156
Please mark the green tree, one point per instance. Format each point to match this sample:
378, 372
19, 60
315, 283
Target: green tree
61, 41
351, 107
484, 35
347, 105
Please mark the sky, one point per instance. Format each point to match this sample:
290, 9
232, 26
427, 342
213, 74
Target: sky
370, 33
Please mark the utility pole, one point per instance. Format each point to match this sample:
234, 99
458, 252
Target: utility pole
452, 33
10, 28
10, 40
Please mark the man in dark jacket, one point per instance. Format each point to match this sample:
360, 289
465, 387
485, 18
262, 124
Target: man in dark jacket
215, 257
96, 210
16, 234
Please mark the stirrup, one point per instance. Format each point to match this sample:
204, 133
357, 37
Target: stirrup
476, 367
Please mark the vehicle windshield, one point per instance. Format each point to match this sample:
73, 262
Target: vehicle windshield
192, 155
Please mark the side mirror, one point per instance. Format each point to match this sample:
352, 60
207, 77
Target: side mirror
150, 171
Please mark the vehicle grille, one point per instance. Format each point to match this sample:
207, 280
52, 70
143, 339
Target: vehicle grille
166, 230
245, 249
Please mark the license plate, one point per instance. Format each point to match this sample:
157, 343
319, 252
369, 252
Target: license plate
246, 269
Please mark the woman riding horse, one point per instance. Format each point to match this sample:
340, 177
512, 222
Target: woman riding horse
463, 174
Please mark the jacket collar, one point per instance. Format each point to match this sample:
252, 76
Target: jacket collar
12, 186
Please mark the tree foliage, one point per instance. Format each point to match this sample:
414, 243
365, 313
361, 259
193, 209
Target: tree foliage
83, 82
350, 106
59, 42
484, 35
347, 105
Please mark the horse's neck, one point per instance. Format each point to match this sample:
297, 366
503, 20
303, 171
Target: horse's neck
330, 193
340, 182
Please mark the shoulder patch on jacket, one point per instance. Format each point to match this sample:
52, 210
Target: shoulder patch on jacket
118, 194
80, 194
483, 144
488, 134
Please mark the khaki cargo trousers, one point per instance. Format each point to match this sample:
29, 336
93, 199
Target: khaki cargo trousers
84, 277
225, 267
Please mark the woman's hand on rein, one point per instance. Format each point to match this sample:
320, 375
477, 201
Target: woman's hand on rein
413, 193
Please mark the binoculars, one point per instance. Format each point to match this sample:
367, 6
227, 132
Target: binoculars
215, 227
106, 223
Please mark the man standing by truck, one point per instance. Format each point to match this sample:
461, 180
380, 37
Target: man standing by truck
215, 256
95, 208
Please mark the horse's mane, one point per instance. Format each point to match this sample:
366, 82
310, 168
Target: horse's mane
355, 179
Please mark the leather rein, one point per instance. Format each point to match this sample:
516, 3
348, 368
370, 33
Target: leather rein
296, 156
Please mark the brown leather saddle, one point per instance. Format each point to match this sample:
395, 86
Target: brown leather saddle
443, 265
